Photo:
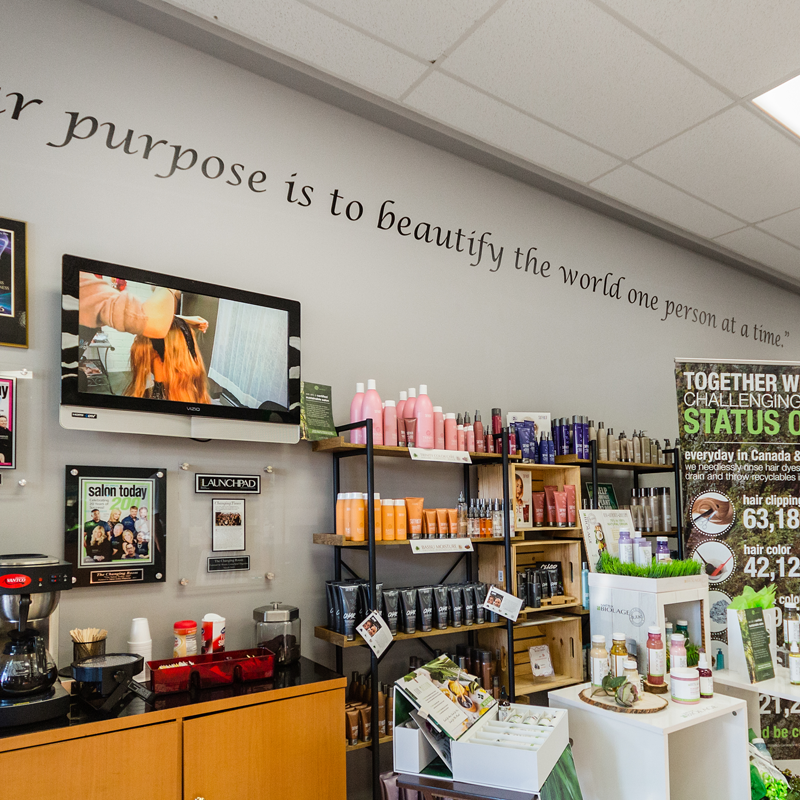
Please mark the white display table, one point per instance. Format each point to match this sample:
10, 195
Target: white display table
681, 753
736, 685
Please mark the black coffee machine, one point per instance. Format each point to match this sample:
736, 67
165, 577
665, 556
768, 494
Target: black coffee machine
30, 588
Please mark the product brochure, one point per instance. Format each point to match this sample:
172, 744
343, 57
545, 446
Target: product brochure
606, 498
502, 603
755, 642
316, 411
446, 696
601, 532
376, 633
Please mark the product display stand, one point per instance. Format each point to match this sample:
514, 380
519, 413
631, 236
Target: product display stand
340, 449
681, 753
637, 469
736, 685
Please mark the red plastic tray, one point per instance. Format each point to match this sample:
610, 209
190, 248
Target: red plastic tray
212, 669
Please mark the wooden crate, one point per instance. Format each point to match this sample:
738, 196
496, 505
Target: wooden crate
566, 651
491, 563
490, 485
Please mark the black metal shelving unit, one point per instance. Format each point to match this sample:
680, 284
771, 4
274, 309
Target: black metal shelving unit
368, 451
637, 470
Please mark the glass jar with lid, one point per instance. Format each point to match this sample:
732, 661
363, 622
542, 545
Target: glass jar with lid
278, 629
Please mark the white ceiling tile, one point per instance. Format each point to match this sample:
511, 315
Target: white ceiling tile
735, 161
746, 46
468, 110
578, 67
421, 27
763, 248
640, 190
786, 226
316, 39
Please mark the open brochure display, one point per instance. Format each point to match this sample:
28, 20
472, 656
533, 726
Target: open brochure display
450, 699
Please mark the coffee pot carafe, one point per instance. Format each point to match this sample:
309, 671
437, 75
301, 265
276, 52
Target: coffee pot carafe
26, 667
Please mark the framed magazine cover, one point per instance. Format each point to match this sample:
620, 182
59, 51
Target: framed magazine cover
115, 525
8, 423
13, 284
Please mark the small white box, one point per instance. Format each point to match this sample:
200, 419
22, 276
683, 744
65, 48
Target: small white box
412, 751
507, 768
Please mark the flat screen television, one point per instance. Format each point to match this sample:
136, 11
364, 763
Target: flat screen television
148, 353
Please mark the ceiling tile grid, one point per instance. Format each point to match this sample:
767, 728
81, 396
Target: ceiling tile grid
647, 103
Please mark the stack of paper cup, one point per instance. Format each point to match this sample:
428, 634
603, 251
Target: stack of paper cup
139, 642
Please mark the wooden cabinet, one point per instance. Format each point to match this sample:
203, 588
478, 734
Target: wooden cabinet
288, 749
130, 764
284, 741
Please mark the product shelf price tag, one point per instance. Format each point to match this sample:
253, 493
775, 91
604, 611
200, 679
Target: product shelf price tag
446, 456
441, 545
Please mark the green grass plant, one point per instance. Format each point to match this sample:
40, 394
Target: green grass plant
664, 569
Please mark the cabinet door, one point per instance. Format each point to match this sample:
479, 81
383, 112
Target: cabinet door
135, 764
290, 749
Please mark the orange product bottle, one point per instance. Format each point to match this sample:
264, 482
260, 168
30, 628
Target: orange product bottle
339, 529
378, 522
400, 521
357, 524
347, 516
387, 520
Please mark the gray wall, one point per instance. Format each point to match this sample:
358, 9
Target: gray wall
375, 304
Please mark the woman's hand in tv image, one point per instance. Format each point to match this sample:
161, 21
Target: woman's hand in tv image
198, 323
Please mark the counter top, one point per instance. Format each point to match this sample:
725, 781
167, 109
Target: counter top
302, 677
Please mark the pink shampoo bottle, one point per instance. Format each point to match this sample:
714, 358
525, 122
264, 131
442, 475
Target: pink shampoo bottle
371, 409
357, 436
423, 411
390, 424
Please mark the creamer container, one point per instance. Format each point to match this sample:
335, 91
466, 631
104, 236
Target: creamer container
598, 659
656, 659
632, 673
684, 684
619, 654
185, 638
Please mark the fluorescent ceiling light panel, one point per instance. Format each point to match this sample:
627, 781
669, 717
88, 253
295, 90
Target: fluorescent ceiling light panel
783, 104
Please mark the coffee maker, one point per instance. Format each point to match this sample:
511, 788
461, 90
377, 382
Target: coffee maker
30, 588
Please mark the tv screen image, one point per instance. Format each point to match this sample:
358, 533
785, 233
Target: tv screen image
143, 341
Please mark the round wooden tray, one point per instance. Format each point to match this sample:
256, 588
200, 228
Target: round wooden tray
646, 704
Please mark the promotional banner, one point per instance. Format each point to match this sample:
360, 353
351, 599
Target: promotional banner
739, 430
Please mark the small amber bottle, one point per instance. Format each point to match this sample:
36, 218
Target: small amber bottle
618, 654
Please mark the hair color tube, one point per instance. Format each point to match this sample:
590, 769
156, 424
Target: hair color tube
561, 508
414, 516
550, 496
390, 601
440, 607
425, 607
572, 505
348, 602
538, 499
456, 602
408, 610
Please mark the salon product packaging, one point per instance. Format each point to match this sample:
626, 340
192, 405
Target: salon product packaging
572, 505
391, 601
408, 610
400, 520
455, 598
440, 606
560, 499
414, 516
550, 501
480, 599
538, 501
348, 604
425, 608
469, 604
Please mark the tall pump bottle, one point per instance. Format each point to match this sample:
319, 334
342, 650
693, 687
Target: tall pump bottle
401, 430
480, 441
410, 406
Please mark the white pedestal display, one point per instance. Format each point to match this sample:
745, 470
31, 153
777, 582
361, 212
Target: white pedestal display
682, 753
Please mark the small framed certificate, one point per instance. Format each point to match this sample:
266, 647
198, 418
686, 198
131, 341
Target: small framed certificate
227, 524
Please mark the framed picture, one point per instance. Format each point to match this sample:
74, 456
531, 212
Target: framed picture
227, 524
13, 284
115, 528
8, 423
605, 495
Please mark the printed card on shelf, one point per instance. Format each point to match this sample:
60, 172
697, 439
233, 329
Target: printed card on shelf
447, 456
441, 545
376, 633
503, 603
